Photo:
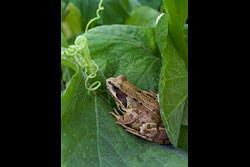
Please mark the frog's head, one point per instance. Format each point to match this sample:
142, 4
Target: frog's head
114, 85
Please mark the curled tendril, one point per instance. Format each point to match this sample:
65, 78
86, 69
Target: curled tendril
95, 70
80, 41
80, 53
96, 18
81, 60
95, 85
72, 51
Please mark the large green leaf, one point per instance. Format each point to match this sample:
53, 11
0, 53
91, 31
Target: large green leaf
143, 16
127, 50
177, 12
173, 91
90, 136
173, 86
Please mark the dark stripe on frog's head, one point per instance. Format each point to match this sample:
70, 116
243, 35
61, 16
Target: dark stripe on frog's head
122, 97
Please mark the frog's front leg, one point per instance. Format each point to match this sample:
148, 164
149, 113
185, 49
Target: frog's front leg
117, 116
127, 118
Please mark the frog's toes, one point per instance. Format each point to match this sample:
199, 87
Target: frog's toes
117, 117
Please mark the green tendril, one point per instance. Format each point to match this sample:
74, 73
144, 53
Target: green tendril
81, 55
92, 72
72, 51
96, 18
95, 85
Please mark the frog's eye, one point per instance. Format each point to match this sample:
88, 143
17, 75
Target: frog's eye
115, 87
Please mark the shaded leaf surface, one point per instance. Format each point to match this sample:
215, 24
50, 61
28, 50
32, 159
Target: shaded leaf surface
185, 114
90, 136
130, 5
152, 3
183, 139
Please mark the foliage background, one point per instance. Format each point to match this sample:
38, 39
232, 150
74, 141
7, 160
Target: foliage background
126, 40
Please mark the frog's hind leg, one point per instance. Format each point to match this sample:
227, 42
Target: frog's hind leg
125, 126
158, 134
149, 130
140, 135
128, 129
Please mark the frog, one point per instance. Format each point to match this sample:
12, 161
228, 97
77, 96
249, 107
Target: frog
139, 110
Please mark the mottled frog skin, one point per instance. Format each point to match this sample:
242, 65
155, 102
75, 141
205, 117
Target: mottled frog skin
140, 110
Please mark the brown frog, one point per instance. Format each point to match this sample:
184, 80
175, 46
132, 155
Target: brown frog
140, 110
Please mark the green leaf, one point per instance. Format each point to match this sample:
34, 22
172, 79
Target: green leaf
185, 31
67, 62
63, 41
130, 5
177, 12
161, 32
71, 66
90, 136
185, 114
62, 10
143, 16
72, 25
127, 50
67, 74
183, 139
133, 4
173, 85
173, 92
151, 3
